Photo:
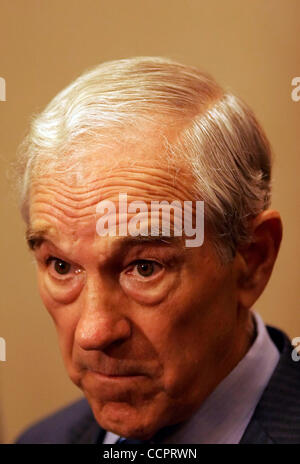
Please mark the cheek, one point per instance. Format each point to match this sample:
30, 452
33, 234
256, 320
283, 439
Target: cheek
151, 292
194, 324
61, 292
60, 298
65, 317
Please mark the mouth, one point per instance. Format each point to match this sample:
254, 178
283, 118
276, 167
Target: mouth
115, 375
116, 385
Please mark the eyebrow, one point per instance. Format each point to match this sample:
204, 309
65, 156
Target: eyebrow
148, 239
35, 237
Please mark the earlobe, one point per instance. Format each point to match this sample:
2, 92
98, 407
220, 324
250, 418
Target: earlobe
259, 256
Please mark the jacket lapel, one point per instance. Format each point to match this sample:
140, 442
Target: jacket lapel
276, 418
88, 431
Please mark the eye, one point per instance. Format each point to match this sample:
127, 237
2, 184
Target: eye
62, 280
145, 268
60, 268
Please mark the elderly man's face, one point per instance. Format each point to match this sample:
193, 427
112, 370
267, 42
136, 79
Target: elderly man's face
146, 329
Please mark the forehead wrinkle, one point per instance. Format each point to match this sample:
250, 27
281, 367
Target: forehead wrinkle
103, 175
145, 187
43, 187
75, 205
62, 216
147, 178
41, 195
131, 176
138, 177
135, 167
146, 156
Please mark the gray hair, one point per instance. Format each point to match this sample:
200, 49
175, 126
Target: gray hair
219, 138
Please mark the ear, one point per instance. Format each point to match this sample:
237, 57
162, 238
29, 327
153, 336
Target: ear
256, 260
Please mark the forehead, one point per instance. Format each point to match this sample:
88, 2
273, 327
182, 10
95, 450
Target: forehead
66, 197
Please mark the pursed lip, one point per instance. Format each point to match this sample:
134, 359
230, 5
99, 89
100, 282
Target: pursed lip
115, 374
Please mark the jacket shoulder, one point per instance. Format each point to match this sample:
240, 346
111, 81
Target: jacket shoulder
276, 418
59, 426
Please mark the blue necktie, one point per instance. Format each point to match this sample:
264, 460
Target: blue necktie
131, 441
157, 438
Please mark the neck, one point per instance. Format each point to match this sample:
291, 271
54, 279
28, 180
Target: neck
246, 334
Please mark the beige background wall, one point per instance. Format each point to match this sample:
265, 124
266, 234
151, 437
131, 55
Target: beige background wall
250, 46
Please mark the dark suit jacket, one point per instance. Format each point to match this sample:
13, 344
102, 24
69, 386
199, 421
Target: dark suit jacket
276, 418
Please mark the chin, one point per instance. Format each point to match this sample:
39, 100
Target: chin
126, 420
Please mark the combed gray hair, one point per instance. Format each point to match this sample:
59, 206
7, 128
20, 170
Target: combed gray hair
219, 137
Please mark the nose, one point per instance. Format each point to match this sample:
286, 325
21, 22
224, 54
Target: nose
101, 322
